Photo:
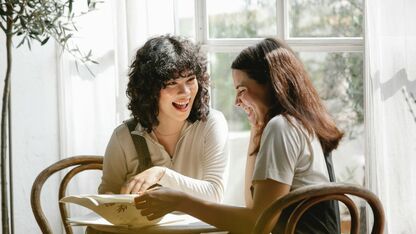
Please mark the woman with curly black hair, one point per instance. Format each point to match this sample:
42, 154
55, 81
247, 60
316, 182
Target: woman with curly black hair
169, 99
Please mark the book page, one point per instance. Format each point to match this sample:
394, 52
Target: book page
117, 209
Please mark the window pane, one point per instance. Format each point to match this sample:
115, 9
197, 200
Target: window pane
185, 18
162, 22
326, 18
223, 92
173, 17
241, 19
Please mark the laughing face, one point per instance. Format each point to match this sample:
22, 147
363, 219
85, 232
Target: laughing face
176, 99
252, 97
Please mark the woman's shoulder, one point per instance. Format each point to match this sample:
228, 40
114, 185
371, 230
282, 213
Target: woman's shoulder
283, 126
280, 122
286, 126
215, 115
215, 120
123, 128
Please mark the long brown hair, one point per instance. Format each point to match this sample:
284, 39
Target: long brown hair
272, 62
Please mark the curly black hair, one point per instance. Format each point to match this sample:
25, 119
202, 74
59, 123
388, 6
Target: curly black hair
159, 60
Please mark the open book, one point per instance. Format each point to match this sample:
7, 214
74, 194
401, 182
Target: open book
111, 209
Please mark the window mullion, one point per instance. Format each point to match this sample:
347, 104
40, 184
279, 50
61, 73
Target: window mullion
327, 44
280, 19
201, 24
175, 18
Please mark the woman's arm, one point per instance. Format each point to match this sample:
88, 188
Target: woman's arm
160, 201
114, 166
248, 178
250, 162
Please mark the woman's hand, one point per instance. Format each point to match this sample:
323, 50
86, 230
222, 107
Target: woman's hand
156, 202
141, 182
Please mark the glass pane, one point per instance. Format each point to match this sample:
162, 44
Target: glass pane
241, 19
173, 17
185, 22
326, 18
162, 22
223, 92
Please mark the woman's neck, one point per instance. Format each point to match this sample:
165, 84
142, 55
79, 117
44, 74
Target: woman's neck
168, 135
169, 128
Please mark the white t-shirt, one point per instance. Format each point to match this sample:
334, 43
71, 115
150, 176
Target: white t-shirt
197, 166
289, 155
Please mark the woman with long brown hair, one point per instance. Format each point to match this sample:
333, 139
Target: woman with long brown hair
292, 136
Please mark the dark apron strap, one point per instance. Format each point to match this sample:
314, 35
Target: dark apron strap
330, 167
323, 217
145, 162
333, 204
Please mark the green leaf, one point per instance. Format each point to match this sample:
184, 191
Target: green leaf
31, 4
65, 39
21, 42
28, 44
2, 12
23, 22
66, 28
76, 66
44, 41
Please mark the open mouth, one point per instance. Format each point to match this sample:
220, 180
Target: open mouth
248, 110
182, 106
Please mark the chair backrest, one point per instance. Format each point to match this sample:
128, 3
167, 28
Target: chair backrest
79, 164
309, 196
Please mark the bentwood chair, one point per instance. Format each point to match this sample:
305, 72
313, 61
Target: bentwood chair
78, 164
309, 196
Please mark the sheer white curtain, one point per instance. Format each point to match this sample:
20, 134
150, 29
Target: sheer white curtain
91, 107
88, 104
391, 109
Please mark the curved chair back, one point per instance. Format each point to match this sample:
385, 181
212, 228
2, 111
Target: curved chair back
311, 195
79, 164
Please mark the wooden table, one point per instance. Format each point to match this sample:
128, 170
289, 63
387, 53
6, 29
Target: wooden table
187, 225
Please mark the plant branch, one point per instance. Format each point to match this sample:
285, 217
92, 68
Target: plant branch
2, 27
4, 113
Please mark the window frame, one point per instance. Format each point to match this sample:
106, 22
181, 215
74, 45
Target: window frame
299, 44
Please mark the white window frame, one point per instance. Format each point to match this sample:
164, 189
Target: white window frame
304, 44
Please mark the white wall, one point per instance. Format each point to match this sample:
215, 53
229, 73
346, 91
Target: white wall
34, 127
